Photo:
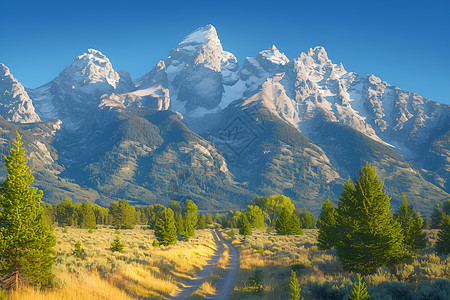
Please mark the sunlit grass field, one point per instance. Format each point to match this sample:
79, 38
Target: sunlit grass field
140, 272
321, 276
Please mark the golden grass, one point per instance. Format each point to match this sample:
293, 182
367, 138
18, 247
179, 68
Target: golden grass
319, 272
142, 271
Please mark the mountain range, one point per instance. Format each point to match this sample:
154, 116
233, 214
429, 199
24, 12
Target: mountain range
200, 126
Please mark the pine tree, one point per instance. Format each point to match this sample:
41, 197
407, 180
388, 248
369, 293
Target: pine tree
411, 225
26, 238
78, 251
307, 219
327, 226
123, 215
436, 217
165, 230
368, 235
283, 223
190, 219
87, 216
294, 287
443, 240
245, 228
201, 224
117, 245
65, 213
446, 207
359, 291
295, 225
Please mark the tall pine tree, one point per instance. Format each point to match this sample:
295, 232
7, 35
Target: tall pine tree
327, 226
26, 239
443, 240
86, 216
368, 235
411, 225
165, 230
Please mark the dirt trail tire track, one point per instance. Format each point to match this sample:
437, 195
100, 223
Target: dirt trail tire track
225, 286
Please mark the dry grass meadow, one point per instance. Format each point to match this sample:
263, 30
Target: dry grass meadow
140, 272
321, 276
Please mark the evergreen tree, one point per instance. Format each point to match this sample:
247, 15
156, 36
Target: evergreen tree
78, 251
307, 221
294, 287
327, 226
190, 218
201, 224
446, 207
180, 224
123, 215
411, 225
49, 213
117, 245
368, 235
359, 291
176, 207
26, 238
296, 226
443, 240
165, 229
288, 223
245, 228
283, 223
209, 219
87, 216
65, 213
436, 217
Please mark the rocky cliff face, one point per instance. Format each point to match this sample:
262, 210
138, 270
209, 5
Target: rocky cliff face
15, 104
75, 94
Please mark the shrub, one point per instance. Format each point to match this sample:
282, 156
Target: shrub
78, 251
298, 266
231, 233
155, 244
255, 282
117, 245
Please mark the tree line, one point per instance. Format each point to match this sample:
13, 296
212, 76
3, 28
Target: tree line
367, 235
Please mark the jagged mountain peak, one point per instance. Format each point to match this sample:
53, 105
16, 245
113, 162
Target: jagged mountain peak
273, 55
319, 54
89, 68
201, 35
4, 70
15, 104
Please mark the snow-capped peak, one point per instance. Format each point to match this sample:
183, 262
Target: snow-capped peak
274, 55
319, 54
90, 67
92, 55
202, 35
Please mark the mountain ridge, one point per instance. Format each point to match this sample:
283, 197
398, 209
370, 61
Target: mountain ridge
199, 119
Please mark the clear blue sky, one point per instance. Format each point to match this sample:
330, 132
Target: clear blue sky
406, 43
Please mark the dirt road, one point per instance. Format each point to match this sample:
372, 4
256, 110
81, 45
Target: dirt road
226, 285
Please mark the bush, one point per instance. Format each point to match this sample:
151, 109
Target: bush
79, 251
117, 245
3, 295
231, 233
155, 244
255, 282
298, 266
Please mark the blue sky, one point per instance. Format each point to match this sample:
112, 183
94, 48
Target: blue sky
406, 43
